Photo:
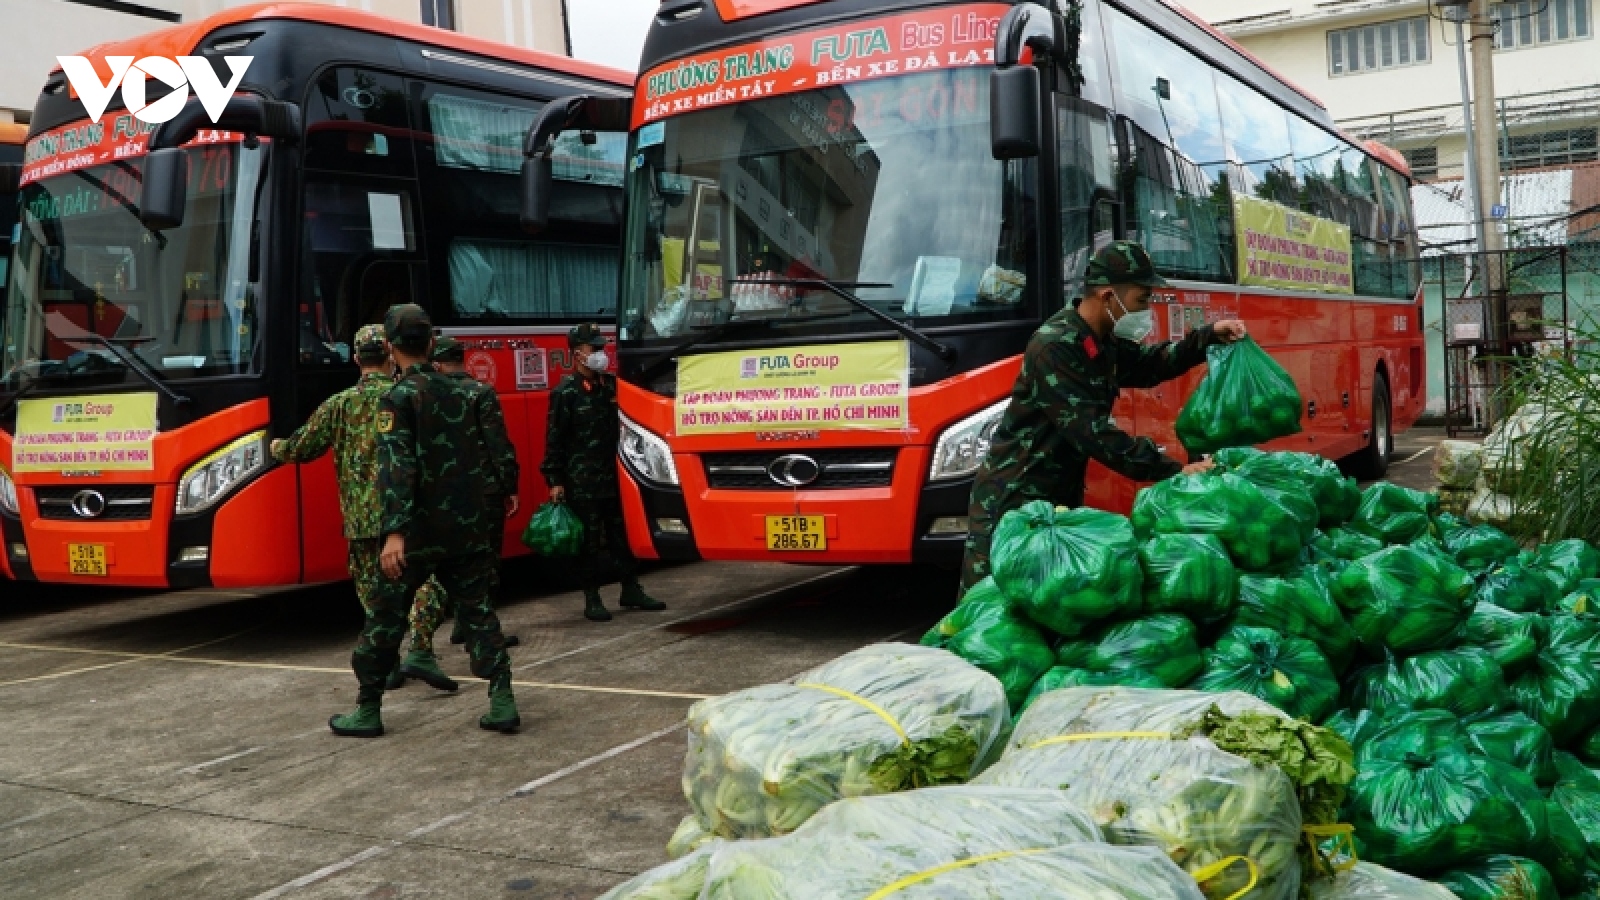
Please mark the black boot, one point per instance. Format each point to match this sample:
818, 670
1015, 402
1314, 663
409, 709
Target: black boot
594, 609
634, 597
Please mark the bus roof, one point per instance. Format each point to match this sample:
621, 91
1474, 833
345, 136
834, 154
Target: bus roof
180, 40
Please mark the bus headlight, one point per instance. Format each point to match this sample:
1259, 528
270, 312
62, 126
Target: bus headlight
8, 495
646, 454
963, 446
210, 479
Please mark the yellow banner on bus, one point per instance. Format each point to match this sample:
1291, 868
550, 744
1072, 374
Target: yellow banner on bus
1284, 248
813, 388
98, 433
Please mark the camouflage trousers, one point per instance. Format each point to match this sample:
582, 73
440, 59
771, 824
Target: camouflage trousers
432, 604
990, 502
364, 571
466, 578
605, 541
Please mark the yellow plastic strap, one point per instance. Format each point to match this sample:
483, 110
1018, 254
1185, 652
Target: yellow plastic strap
1222, 865
926, 874
1344, 846
857, 698
1101, 736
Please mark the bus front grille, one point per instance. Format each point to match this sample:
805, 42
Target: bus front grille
103, 503
771, 470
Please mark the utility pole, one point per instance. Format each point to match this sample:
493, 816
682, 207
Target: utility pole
1486, 158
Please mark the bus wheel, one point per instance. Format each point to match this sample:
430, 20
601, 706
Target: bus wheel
1372, 462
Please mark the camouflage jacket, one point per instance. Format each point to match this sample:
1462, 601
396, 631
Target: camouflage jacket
431, 471
498, 453
1060, 413
346, 423
580, 447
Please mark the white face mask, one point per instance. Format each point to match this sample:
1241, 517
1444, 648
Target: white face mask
1134, 326
597, 361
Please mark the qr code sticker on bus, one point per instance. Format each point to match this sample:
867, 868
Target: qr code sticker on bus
532, 374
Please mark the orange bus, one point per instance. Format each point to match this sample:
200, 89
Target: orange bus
182, 293
846, 218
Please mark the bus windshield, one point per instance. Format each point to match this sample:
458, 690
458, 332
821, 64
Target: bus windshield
887, 189
87, 272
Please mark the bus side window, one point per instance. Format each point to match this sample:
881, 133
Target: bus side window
1087, 218
360, 238
1178, 210
357, 121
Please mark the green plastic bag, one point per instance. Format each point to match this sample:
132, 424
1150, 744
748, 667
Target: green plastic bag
1404, 600
1190, 574
1394, 514
554, 530
1561, 688
1512, 638
1245, 398
1067, 568
1356, 726
1588, 749
1516, 587
1565, 854
1335, 496
1298, 605
1568, 562
1256, 531
1502, 878
1585, 601
1480, 548
1066, 676
1424, 802
1465, 682
1164, 645
982, 602
1007, 646
1577, 791
1515, 740
1288, 672
1342, 543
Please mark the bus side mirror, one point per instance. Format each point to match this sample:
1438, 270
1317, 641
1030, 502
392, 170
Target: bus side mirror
1014, 112
163, 198
538, 180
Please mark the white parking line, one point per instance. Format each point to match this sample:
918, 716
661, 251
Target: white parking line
200, 767
1417, 455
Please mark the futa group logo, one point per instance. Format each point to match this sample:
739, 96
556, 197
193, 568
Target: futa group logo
179, 74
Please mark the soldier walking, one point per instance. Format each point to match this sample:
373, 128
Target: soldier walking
580, 465
432, 478
1060, 414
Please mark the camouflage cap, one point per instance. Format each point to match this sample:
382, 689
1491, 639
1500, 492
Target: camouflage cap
1123, 262
407, 326
448, 350
587, 333
369, 344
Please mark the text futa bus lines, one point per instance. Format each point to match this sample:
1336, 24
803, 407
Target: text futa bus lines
820, 177
362, 162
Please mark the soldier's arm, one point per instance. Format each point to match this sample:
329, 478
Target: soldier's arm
312, 439
1156, 363
1064, 390
502, 453
397, 462
557, 435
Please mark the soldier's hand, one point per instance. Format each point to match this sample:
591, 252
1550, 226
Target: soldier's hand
393, 558
276, 449
1195, 468
512, 505
1229, 330
558, 494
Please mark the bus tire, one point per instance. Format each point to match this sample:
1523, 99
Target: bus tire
1372, 462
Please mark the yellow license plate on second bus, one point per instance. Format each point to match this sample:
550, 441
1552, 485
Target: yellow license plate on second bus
796, 533
87, 559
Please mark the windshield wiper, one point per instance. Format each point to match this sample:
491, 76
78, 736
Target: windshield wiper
944, 351
132, 361
23, 392
717, 331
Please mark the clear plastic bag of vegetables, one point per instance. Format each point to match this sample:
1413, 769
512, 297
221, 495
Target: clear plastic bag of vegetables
1456, 464
1404, 600
1301, 605
1502, 878
1517, 587
1067, 568
1512, 638
1568, 562
554, 530
985, 631
1164, 646
941, 843
1190, 574
1116, 753
1465, 681
1479, 548
1560, 689
1068, 676
1342, 543
1516, 740
1288, 672
689, 836
1256, 531
884, 718
681, 879
1245, 398
1394, 514
1335, 495
1373, 882
1425, 802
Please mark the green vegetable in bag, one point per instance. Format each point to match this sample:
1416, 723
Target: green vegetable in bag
1256, 531
1370, 882
1424, 802
1342, 543
1394, 514
1162, 645
554, 530
1319, 762
681, 879
1502, 878
1059, 677
1568, 562
1561, 689
1515, 740
1067, 568
1190, 574
1512, 638
1299, 605
982, 602
1245, 398
1010, 648
1465, 682
1456, 464
1565, 854
1335, 496
1289, 673
690, 835
1404, 600
1518, 588
1480, 547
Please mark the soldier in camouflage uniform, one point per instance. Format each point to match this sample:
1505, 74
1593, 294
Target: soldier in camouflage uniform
432, 478
580, 465
1060, 414
345, 423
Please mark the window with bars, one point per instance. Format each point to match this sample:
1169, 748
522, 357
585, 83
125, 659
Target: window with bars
1382, 45
439, 13
1424, 161
1528, 23
1551, 148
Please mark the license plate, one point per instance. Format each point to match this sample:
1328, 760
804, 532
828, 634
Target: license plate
796, 533
87, 559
